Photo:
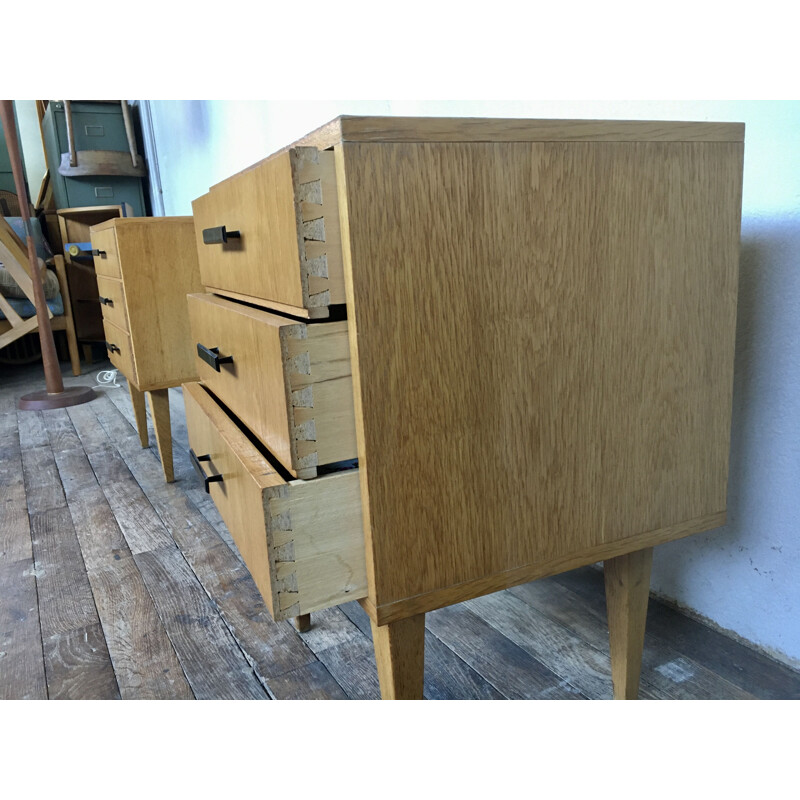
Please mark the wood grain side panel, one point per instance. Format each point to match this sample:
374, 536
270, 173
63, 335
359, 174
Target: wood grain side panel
546, 364
159, 268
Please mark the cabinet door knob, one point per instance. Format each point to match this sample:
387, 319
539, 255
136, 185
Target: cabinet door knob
106, 301
112, 348
212, 357
219, 235
207, 479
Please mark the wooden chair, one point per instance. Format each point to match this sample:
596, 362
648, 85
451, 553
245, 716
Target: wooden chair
14, 259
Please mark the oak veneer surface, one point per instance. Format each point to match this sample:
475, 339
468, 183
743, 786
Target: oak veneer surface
542, 343
158, 261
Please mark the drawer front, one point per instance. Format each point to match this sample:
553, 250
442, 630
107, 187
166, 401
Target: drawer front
106, 264
302, 541
120, 350
112, 301
289, 382
285, 250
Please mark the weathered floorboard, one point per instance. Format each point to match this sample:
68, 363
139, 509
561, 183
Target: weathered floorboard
209, 656
310, 682
79, 666
352, 664
65, 597
666, 672
560, 650
144, 662
140, 524
184, 599
507, 667
271, 647
22, 675
15, 534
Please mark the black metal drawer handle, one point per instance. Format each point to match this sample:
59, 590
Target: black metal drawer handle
101, 253
212, 357
207, 479
219, 235
112, 348
106, 301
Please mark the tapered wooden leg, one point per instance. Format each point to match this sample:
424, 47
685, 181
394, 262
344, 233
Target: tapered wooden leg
159, 410
140, 413
303, 623
400, 655
627, 581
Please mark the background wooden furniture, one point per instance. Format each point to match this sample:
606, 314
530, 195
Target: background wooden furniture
97, 128
541, 319
145, 267
74, 226
6, 175
61, 322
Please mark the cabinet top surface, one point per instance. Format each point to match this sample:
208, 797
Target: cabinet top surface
487, 129
377, 130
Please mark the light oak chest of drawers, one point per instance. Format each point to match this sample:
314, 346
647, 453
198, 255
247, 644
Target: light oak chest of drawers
145, 266
540, 320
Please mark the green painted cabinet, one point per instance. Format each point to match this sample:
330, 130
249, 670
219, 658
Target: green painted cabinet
96, 126
6, 176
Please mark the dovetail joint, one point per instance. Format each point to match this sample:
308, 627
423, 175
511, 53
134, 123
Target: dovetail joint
310, 202
280, 543
299, 401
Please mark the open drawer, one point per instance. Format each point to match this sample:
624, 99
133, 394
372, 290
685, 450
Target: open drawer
289, 382
302, 541
270, 234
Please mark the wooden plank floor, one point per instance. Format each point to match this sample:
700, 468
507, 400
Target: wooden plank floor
114, 584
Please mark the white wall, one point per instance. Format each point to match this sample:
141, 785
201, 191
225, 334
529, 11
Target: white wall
746, 576
31, 142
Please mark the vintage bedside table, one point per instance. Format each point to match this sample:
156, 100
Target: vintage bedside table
145, 266
534, 370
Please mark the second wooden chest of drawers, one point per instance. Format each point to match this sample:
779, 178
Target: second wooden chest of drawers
145, 266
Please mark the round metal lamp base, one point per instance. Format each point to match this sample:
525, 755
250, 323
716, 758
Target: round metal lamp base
42, 401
